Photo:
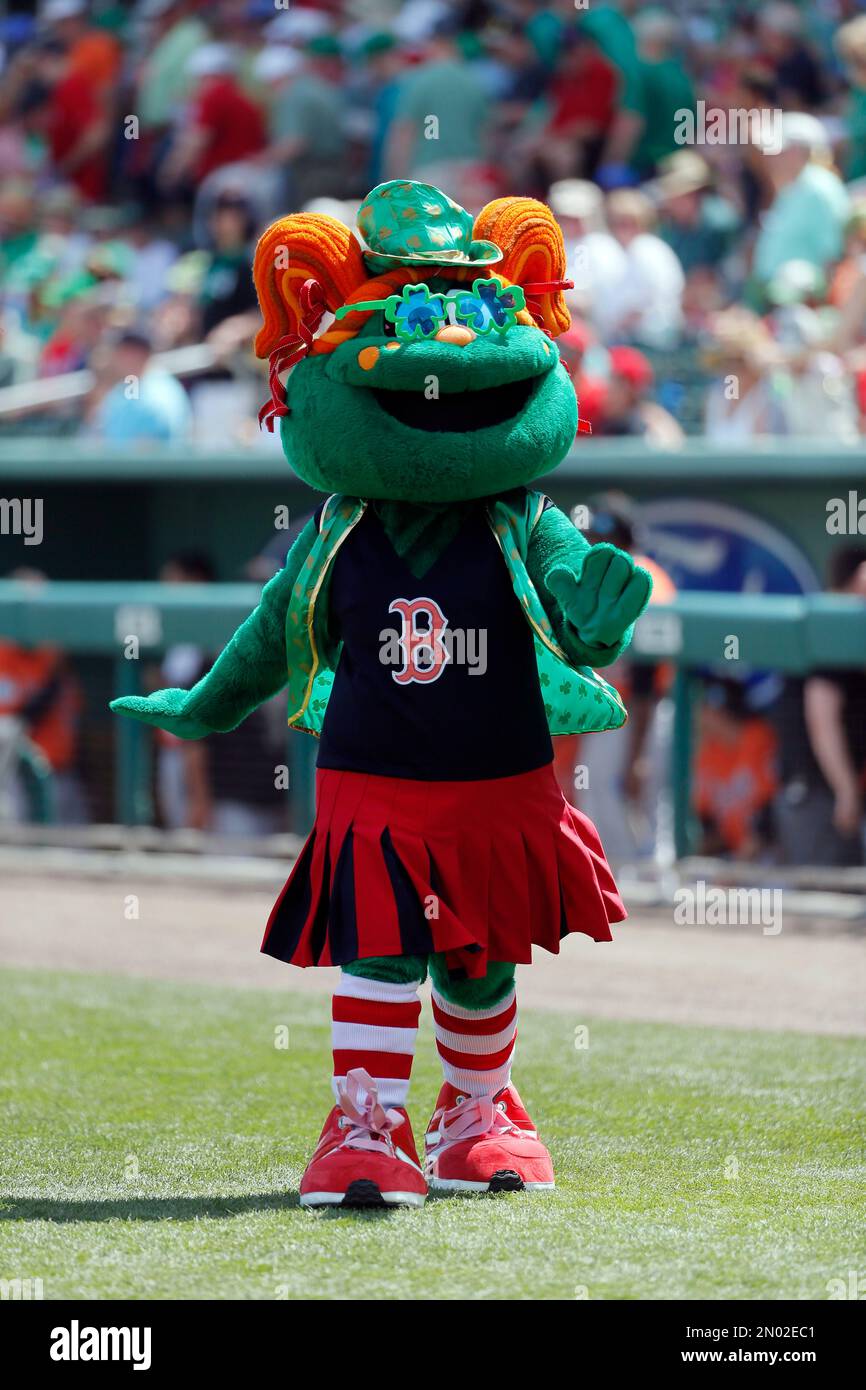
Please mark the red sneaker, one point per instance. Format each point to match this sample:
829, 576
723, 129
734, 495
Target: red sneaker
366, 1155
485, 1145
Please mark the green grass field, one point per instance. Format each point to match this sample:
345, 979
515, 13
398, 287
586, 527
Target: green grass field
153, 1137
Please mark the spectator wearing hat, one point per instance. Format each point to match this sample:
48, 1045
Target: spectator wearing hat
596, 261
814, 386
306, 138
698, 225
324, 58
589, 387
574, 344
741, 403
645, 303
441, 124
806, 220
627, 407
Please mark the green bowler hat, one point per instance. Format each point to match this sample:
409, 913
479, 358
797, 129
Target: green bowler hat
407, 223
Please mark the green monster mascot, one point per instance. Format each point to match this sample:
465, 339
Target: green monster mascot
435, 622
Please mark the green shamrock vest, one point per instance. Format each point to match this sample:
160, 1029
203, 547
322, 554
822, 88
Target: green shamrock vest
576, 699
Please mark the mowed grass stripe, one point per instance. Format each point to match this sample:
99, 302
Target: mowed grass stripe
153, 1136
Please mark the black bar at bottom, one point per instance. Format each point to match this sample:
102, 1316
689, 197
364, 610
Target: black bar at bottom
155, 1337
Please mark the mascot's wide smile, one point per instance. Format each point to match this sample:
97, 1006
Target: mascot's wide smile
424, 394
458, 411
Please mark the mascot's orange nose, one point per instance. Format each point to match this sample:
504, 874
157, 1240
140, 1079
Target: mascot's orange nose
454, 333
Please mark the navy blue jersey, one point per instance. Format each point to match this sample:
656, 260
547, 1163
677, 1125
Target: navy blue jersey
437, 678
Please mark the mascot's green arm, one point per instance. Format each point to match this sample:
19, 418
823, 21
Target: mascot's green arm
248, 671
591, 594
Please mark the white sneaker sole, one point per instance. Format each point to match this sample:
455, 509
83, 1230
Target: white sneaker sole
335, 1199
463, 1185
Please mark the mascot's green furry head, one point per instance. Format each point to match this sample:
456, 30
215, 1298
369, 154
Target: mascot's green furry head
437, 379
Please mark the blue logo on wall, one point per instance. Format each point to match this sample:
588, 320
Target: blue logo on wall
712, 546
709, 545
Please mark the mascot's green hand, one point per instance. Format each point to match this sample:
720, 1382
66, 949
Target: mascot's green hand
165, 709
603, 596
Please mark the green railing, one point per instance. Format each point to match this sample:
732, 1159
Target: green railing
113, 514
698, 462
789, 635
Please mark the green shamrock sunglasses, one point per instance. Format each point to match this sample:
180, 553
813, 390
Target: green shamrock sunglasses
416, 314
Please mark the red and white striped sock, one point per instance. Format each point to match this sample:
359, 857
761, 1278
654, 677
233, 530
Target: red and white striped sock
374, 1026
476, 1045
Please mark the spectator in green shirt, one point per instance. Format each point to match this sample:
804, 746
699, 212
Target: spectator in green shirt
609, 27
163, 83
441, 119
655, 91
306, 136
806, 220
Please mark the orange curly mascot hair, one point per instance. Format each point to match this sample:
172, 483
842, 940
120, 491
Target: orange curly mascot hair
533, 254
313, 246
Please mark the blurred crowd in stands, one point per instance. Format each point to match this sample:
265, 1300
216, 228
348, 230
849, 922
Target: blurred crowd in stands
719, 261
707, 164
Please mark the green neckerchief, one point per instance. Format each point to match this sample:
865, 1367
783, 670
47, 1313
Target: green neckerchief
421, 532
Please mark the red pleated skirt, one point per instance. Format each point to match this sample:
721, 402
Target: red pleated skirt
478, 870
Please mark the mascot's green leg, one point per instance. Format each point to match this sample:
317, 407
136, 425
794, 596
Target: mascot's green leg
467, 994
392, 970
473, 994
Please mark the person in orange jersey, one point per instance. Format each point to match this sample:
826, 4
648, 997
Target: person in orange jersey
40, 694
734, 772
